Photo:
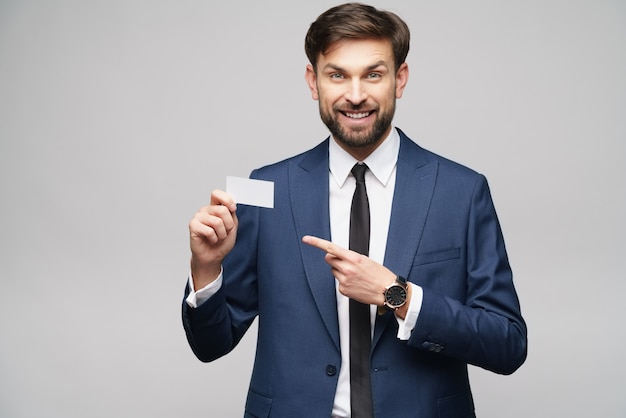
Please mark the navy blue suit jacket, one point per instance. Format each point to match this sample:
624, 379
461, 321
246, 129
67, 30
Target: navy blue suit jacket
444, 235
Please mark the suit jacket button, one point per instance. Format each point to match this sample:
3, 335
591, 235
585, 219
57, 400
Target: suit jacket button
331, 370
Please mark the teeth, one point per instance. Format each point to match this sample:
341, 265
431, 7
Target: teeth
357, 115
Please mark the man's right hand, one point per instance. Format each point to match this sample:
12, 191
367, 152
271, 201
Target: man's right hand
212, 234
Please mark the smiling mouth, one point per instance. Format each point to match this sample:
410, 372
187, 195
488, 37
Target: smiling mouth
359, 115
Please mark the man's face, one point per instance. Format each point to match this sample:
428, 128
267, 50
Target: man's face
357, 86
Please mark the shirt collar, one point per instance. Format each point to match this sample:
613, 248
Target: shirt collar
381, 162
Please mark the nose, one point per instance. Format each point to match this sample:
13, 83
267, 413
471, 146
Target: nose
356, 93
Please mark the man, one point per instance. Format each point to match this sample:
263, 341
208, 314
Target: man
432, 273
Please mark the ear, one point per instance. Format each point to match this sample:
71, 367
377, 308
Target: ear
402, 77
311, 80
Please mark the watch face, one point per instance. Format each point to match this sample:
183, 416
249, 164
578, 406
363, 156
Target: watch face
395, 296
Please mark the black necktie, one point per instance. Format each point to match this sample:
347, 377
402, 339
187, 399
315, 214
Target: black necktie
360, 334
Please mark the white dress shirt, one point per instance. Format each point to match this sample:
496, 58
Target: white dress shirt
380, 184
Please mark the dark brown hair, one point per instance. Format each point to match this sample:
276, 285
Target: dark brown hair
356, 21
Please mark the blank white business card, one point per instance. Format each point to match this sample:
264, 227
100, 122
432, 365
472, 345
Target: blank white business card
251, 191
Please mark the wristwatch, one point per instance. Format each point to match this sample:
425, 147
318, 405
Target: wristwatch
395, 295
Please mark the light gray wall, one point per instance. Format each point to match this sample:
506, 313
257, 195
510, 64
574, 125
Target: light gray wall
117, 119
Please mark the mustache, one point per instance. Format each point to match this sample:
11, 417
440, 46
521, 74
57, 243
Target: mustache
361, 107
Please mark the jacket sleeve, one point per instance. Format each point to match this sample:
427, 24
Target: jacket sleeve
214, 328
485, 326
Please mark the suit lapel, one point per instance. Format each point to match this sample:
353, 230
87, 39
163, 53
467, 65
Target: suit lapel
308, 191
415, 184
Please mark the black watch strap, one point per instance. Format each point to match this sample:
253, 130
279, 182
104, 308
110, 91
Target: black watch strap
401, 280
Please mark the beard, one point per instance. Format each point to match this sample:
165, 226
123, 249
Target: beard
360, 137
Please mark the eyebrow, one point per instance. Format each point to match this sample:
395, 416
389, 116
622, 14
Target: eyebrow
372, 67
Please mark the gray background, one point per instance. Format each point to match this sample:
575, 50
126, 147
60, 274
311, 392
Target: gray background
117, 119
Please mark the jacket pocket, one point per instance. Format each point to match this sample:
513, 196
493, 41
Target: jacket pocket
257, 406
437, 256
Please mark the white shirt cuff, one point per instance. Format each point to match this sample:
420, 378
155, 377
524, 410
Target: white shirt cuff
197, 298
406, 325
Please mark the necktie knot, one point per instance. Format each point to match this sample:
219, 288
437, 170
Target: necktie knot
358, 171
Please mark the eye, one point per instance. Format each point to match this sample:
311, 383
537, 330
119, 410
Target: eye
374, 76
336, 76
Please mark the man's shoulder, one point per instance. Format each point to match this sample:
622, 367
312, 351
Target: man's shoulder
310, 157
416, 155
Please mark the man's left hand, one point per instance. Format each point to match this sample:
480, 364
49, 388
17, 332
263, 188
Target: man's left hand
359, 277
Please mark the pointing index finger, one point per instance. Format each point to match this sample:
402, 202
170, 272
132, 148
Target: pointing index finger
322, 244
